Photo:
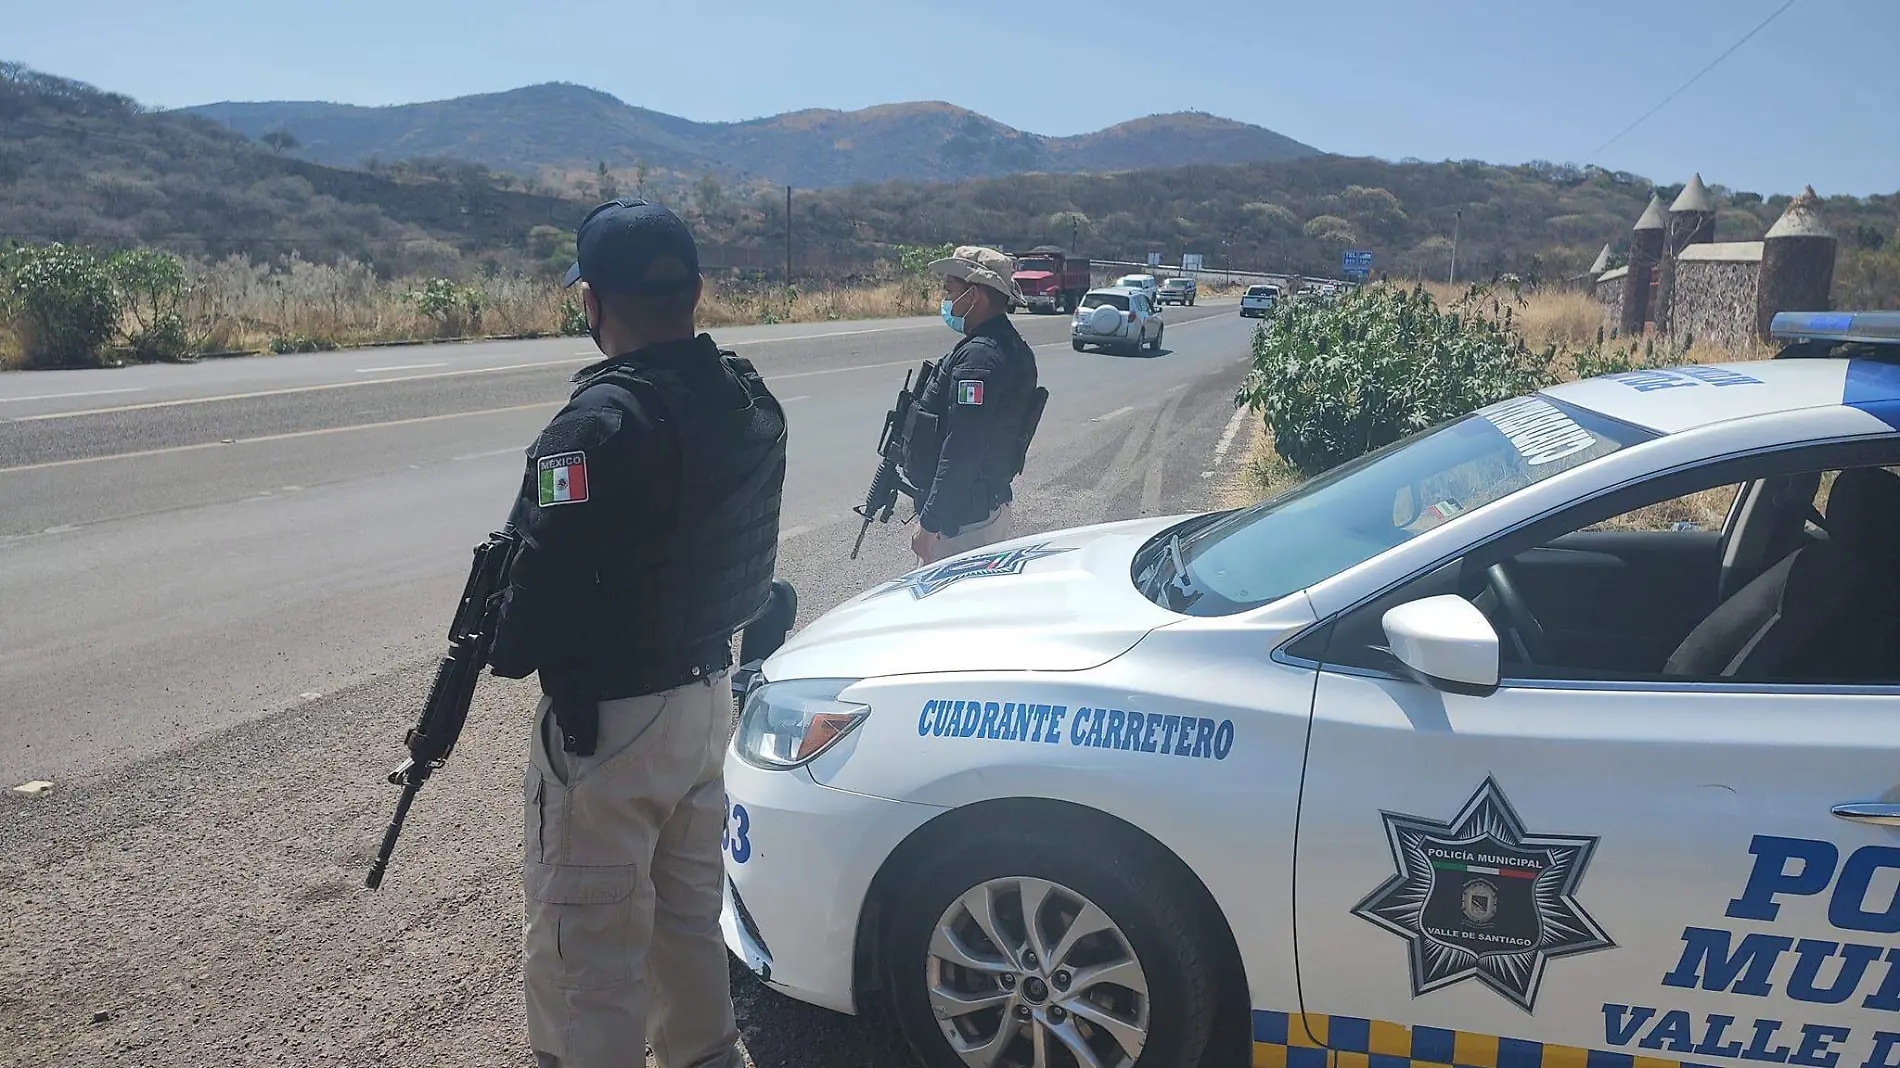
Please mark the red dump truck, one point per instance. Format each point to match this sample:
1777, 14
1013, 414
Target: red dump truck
1051, 279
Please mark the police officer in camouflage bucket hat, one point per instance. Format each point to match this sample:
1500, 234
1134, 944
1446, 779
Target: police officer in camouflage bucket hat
976, 410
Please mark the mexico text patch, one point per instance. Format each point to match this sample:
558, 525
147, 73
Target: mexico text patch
563, 478
969, 391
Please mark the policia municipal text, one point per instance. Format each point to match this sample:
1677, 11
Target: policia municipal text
648, 522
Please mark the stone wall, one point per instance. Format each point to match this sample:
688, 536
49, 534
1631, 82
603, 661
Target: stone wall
1714, 301
1609, 293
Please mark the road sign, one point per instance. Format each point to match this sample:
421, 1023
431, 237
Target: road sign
1190, 261
1154, 259
1357, 262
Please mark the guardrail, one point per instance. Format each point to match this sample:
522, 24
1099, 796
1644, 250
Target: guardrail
1108, 270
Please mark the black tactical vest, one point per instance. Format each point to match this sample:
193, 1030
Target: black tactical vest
670, 606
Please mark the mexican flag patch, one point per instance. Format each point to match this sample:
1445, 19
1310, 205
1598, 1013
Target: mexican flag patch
969, 391
563, 478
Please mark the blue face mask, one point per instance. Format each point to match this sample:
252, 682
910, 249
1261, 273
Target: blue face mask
950, 318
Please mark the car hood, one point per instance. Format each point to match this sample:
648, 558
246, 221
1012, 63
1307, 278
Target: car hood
1062, 601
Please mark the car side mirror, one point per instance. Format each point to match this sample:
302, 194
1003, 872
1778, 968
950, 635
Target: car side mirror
1445, 643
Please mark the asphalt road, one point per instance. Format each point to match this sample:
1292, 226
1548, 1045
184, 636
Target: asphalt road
223, 586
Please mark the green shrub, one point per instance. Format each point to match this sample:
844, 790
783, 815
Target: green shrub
573, 318
456, 309
61, 303
287, 343
1336, 378
152, 288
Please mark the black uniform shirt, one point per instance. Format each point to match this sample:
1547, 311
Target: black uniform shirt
603, 476
982, 393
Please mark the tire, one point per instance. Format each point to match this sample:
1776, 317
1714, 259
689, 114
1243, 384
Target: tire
1145, 918
1155, 345
1079, 347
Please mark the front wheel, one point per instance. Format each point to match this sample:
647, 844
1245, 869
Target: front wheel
1155, 345
1078, 346
1033, 951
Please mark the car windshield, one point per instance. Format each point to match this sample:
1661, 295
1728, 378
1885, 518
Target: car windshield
1036, 265
1178, 283
1114, 300
1259, 291
1234, 561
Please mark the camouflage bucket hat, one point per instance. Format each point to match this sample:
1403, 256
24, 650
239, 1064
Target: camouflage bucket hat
982, 267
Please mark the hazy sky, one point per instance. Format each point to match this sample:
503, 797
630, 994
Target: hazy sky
1814, 98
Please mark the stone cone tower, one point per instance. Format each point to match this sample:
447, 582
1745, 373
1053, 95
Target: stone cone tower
1646, 249
1797, 263
1691, 222
1602, 262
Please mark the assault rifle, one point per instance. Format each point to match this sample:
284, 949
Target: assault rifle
889, 480
471, 636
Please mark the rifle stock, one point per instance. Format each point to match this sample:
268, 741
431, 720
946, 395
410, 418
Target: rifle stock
471, 636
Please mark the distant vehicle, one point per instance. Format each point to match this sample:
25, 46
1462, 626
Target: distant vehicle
1120, 318
1178, 291
1144, 282
1258, 301
1051, 280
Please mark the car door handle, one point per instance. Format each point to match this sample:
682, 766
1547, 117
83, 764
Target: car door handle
1870, 812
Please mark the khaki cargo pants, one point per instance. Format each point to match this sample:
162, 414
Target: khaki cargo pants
623, 876
988, 532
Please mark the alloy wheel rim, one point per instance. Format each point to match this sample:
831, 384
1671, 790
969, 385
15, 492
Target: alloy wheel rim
1027, 973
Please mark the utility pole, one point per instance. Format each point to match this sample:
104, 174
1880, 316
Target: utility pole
1456, 218
788, 235
1075, 227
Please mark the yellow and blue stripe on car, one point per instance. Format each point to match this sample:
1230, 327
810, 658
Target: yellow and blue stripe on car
1295, 1040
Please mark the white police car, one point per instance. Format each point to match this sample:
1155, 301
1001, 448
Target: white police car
1471, 752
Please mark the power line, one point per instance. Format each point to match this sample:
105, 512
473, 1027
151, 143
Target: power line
1763, 24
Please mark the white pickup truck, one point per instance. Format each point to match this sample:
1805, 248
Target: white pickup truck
1258, 301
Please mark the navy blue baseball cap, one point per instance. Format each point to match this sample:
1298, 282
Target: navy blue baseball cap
631, 246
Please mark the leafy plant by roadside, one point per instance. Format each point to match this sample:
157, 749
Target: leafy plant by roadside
61, 303
1338, 377
573, 318
455, 309
152, 289
913, 263
288, 343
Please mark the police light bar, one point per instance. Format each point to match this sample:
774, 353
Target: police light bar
1873, 328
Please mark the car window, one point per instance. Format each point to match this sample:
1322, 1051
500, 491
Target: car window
1364, 507
1609, 602
1117, 301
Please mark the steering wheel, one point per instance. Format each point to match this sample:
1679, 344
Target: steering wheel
1526, 633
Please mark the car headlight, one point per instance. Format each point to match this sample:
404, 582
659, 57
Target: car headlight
786, 724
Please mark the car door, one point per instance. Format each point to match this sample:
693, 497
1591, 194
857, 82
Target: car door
1592, 873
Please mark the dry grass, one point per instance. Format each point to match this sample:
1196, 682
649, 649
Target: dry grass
237, 305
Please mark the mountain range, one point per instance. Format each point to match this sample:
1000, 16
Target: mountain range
561, 127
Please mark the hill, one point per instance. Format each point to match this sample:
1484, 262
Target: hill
80, 165
560, 127
1543, 222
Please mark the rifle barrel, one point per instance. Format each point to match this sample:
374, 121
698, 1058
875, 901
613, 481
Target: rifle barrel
381, 863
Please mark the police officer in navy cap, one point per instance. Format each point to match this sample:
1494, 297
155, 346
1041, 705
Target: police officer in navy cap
649, 522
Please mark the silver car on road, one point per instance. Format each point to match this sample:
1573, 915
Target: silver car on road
1118, 318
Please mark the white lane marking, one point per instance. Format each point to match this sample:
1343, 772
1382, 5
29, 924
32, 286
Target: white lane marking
399, 367
320, 432
1116, 414
63, 396
290, 390
1227, 435
1227, 439
834, 333
800, 397
516, 450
